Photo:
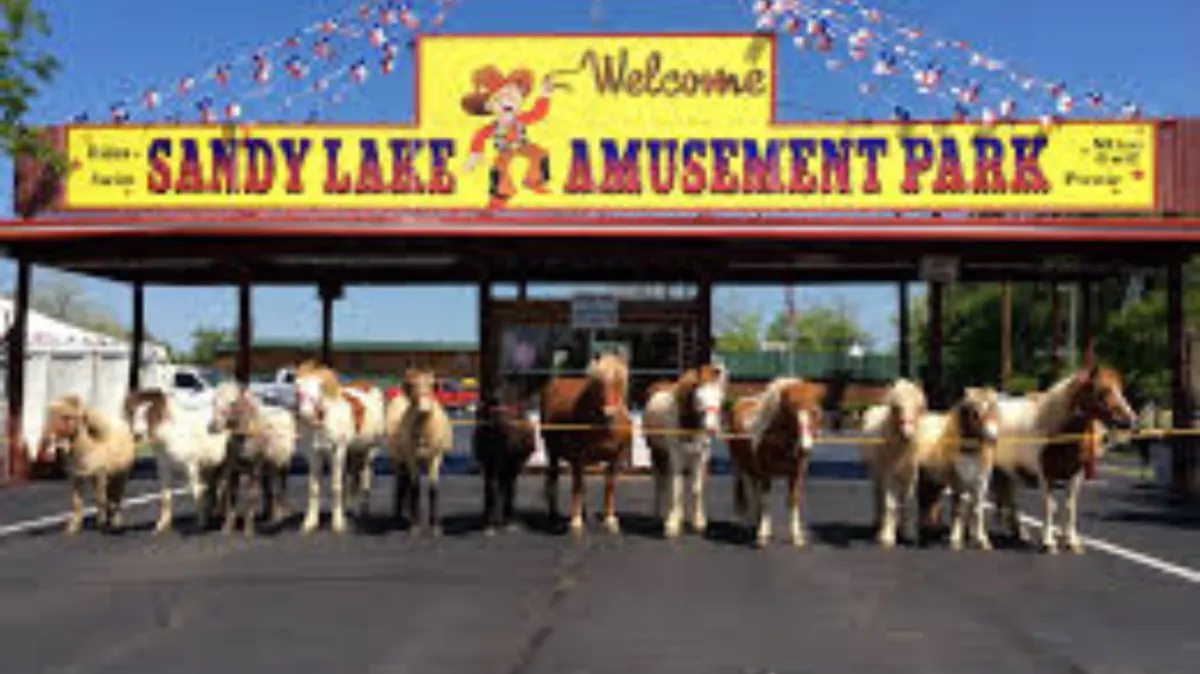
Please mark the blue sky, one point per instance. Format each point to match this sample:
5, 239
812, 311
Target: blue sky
116, 48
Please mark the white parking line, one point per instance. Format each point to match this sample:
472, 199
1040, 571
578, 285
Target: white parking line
1182, 572
1160, 565
49, 520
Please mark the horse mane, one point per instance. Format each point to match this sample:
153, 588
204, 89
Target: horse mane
903, 393
330, 387
792, 393
609, 366
158, 402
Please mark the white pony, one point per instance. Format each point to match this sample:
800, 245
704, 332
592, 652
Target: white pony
1073, 405
341, 424
687, 414
890, 450
183, 440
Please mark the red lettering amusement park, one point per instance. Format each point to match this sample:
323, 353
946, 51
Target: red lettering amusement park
647, 166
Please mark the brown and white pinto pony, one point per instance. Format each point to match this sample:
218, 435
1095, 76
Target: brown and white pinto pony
597, 401
956, 452
680, 420
773, 436
419, 434
96, 449
182, 439
891, 433
342, 425
1071, 406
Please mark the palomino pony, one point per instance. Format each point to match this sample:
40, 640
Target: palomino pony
773, 436
956, 451
597, 403
504, 442
419, 435
182, 439
344, 426
262, 442
890, 449
681, 418
96, 449
1027, 451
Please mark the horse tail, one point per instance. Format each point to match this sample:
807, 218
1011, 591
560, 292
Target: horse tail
739, 494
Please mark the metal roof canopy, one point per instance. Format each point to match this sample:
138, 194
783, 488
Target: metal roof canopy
281, 249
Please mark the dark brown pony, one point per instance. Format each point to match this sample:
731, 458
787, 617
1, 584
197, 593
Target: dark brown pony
597, 404
773, 436
503, 444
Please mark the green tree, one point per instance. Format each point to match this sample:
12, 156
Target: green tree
205, 340
820, 328
64, 298
23, 70
737, 326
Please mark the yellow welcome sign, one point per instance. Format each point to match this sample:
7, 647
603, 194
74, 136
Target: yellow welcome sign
603, 122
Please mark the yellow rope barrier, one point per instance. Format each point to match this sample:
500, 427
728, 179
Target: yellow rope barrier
1031, 439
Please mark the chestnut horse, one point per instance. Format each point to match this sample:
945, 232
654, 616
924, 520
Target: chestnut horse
773, 436
597, 404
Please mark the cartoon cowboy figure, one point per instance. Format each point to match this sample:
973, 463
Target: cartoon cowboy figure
502, 98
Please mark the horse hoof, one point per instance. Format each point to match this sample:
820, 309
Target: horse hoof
1049, 548
309, 526
956, 545
984, 544
700, 525
490, 531
72, 528
1075, 547
671, 529
436, 531
162, 528
512, 527
612, 524
799, 542
577, 526
762, 541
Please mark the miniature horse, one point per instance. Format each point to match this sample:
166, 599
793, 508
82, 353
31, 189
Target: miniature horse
1070, 407
773, 436
891, 444
681, 419
597, 403
503, 444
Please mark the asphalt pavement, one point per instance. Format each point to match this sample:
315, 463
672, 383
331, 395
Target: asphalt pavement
379, 599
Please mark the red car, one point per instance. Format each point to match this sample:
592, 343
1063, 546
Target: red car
451, 394
454, 396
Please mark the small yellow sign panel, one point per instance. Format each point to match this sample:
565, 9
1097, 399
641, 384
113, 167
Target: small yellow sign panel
638, 123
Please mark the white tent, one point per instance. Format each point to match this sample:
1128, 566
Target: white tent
61, 358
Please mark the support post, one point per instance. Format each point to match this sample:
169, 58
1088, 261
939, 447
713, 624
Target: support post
904, 337
329, 292
138, 339
1183, 464
245, 331
18, 458
704, 336
1087, 328
934, 379
1006, 294
1055, 331
488, 358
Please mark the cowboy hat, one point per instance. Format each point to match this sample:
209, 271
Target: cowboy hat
487, 81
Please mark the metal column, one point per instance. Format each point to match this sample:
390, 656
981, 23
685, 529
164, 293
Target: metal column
138, 339
18, 458
245, 331
1183, 460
